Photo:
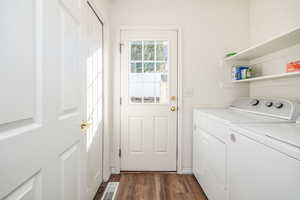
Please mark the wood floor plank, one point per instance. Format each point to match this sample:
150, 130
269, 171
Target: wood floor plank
159, 186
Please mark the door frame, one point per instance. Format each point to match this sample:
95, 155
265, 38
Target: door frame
96, 7
116, 168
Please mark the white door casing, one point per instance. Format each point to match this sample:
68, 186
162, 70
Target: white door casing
40, 139
149, 91
93, 101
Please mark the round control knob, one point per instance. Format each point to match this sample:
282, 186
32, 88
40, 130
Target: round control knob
254, 102
269, 104
232, 137
278, 105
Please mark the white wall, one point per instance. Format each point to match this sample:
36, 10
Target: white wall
269, 18
210, 28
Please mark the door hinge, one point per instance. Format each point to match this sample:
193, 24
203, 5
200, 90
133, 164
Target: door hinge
121, 44
120, 153
120, 100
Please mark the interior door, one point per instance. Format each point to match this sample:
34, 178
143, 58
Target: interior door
40, 138
149, 100
93, 103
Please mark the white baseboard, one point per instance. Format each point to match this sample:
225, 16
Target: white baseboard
106, 177
186, 171
115, 170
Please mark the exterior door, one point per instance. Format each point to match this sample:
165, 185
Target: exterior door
93, 103
149, 100
40, 138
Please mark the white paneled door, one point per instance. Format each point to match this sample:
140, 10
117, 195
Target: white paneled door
41, 108
148, 100
93, 102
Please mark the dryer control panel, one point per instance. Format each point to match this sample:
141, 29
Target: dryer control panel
275, 107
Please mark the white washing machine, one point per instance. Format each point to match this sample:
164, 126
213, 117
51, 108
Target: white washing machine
212, 137
264, 162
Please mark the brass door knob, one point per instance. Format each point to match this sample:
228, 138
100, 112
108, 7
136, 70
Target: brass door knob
173, 109
84, 125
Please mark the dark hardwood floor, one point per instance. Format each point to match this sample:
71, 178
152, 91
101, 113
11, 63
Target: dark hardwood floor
155, 186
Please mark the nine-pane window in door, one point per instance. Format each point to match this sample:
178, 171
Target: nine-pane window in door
149, 71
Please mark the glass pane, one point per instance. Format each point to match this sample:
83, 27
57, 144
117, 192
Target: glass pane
133, 68
139, 67
164, 77
136, 88
162, 50
149, 67
89, 101
95, 65
149, 100
136, 99
95, 93
149, 89
136, 50
162, 95
148, 74
95, 119
161, 67
149, 50
99, 108
100, 86
100, 61
136, 67
89, 72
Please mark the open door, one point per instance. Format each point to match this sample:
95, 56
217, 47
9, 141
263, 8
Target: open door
40, 137
92, 124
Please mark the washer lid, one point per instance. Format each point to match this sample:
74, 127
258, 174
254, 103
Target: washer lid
286, 133
239, 117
